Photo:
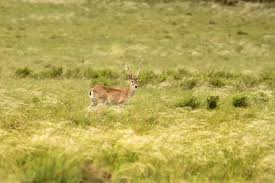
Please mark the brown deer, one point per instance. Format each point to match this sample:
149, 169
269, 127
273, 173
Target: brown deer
114, 96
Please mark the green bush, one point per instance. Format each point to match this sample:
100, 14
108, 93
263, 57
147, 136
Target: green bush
178, 76
51, 72
35, 99
212, 102
91, 74
189, 84
104, 77
261, 97
95, 74
108, 74
268, 77
183, 71
73, 73
221, 74
189, 101
103, 81
249, 80
23, 72
180, 73
240, 101
163, 77
147, 77
216, 82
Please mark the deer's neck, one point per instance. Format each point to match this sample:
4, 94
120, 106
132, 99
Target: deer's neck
130, 92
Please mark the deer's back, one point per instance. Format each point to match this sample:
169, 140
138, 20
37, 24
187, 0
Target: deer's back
108, 94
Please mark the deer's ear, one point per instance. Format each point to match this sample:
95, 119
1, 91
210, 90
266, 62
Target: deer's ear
138, 73
129, 72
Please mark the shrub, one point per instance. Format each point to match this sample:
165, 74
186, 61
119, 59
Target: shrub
212, 102
189, 101
189, 84
177, 76
216, 82
80, 119
170, 72
103, 81
13, 122
240, 101
95, 74
180, 73
183, 71
108, 74
262, 97
35, 99
23, 72
266, 75
148, 77
163, 77
73, 73
91, 74
51, 72
230, 2
104, 77
249, 80
56, 72
221, 74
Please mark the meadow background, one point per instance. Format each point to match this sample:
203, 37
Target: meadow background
190, 52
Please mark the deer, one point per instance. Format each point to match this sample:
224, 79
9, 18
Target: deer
115, 96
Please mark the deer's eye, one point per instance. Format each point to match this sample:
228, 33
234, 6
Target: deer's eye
132, 81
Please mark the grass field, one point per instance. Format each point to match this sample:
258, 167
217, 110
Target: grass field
52, 52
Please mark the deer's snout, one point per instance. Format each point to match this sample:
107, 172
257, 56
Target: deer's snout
136, 86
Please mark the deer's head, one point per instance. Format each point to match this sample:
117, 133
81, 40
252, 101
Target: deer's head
134, 80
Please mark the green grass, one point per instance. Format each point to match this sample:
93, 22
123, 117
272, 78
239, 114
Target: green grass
52, 53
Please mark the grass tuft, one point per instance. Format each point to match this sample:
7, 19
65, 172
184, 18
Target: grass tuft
149, 77
73, 73
189, 101
23, 72
189, 84
49, 72
221, 74
240, 101
249, 80
216, 82
212, 102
